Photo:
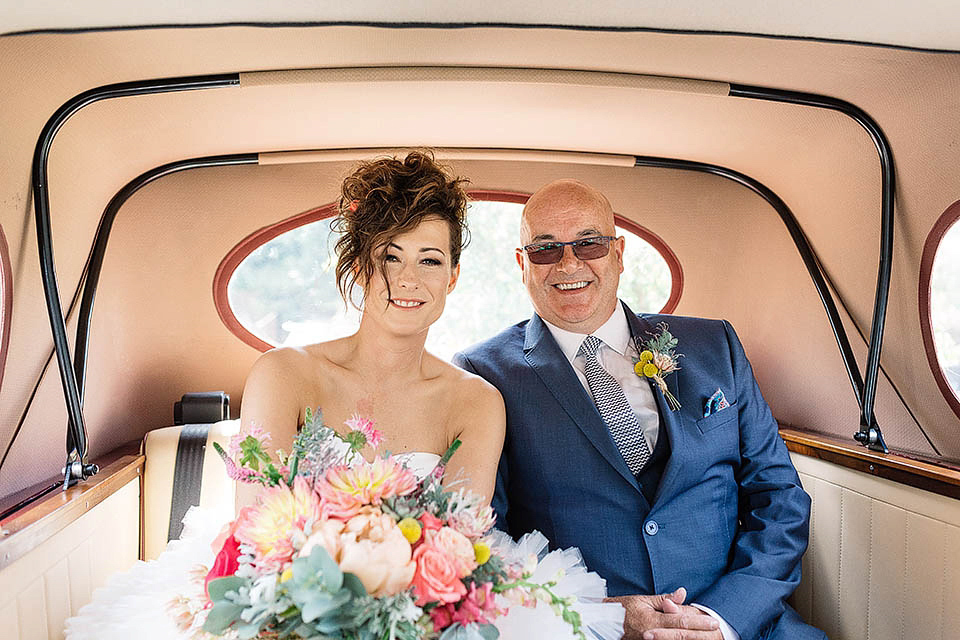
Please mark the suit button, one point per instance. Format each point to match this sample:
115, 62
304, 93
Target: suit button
651, 528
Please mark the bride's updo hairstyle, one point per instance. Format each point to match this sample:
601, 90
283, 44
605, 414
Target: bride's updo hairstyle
385, 198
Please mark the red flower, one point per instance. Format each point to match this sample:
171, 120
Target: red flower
442, 617
226, 563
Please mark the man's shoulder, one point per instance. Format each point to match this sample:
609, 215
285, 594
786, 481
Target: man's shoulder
506, 344
685, 323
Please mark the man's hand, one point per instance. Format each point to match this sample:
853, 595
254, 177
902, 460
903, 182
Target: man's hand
665, 617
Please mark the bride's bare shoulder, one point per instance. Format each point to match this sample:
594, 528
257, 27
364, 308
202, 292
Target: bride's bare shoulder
289, 365
470, 390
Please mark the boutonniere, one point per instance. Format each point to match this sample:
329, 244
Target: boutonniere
658, 360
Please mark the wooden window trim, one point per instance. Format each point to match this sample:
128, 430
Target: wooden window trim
923, 473
6, 301
946, 220
33, 525
263, 235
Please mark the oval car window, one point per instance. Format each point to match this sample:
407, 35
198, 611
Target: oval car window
283, 292
945, 306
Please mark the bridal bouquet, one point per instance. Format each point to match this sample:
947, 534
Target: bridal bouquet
338, 547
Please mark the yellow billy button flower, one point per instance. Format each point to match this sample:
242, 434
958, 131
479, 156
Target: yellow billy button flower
287, 574
481, 550
650, 370
410, 529
646, 356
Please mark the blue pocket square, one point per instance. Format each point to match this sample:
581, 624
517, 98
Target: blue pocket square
715, 403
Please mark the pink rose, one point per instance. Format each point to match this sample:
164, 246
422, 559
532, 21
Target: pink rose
437, 578
457, 547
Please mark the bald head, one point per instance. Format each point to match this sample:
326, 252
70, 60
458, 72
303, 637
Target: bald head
575, 293
567, 195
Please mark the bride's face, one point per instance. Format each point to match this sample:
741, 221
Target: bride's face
418, 266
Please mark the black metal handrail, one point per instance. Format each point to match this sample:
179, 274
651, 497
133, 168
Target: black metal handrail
810, 260
95, 265
76, 466
869, 433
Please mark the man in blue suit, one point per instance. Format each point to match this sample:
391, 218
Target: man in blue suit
675, 488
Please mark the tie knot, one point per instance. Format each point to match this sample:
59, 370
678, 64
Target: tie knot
590, 346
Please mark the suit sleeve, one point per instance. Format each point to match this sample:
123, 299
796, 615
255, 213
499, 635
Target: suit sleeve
499, 503
774, 510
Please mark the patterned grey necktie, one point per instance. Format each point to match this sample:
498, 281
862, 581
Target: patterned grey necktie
614, 408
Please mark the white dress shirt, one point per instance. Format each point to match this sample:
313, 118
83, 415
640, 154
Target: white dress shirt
616, 356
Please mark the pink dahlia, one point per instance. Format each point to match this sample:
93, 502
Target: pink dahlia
269, 526
345, 489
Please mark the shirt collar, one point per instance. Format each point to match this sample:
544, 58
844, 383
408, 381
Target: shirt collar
615, 333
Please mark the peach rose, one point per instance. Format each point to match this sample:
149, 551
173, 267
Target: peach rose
326, 534
373, 549
457, 546
437, 578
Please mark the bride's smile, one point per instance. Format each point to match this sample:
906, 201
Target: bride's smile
419, 276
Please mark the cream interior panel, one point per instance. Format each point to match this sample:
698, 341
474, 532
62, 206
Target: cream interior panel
924, 557
56, 591
882, 561
217, 491
55, 579
10, 619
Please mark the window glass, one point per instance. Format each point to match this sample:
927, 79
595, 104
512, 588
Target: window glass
945, 306
284, 291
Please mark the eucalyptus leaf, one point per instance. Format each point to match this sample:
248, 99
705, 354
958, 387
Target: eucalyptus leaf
353, 585
488, 631
318, 605
221, 586
221, 616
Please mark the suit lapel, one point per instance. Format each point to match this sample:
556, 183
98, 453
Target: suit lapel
670, 421
544, 356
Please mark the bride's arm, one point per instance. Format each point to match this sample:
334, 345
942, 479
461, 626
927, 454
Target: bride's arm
271, 401
271, 398
479, 424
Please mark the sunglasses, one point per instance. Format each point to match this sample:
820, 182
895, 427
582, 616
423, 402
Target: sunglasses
584, 249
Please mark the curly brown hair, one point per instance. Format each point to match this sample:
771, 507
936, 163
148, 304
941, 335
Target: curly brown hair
385, 198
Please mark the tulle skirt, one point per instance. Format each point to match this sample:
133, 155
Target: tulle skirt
159, 599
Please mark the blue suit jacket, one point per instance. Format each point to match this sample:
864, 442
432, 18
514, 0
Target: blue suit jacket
729, 521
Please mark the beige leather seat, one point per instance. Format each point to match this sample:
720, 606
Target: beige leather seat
217, 491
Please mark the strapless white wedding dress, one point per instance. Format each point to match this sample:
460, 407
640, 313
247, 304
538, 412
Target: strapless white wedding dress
139, 603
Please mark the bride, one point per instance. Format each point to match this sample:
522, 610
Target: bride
403, 230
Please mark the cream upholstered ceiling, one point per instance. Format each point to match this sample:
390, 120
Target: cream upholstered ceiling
156, 334
926, 24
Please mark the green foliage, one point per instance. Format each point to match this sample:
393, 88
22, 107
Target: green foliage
226, 611
386, 618
663, 341
321, 591
470, 632
490, 571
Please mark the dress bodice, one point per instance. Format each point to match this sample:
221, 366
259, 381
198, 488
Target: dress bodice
419, 462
